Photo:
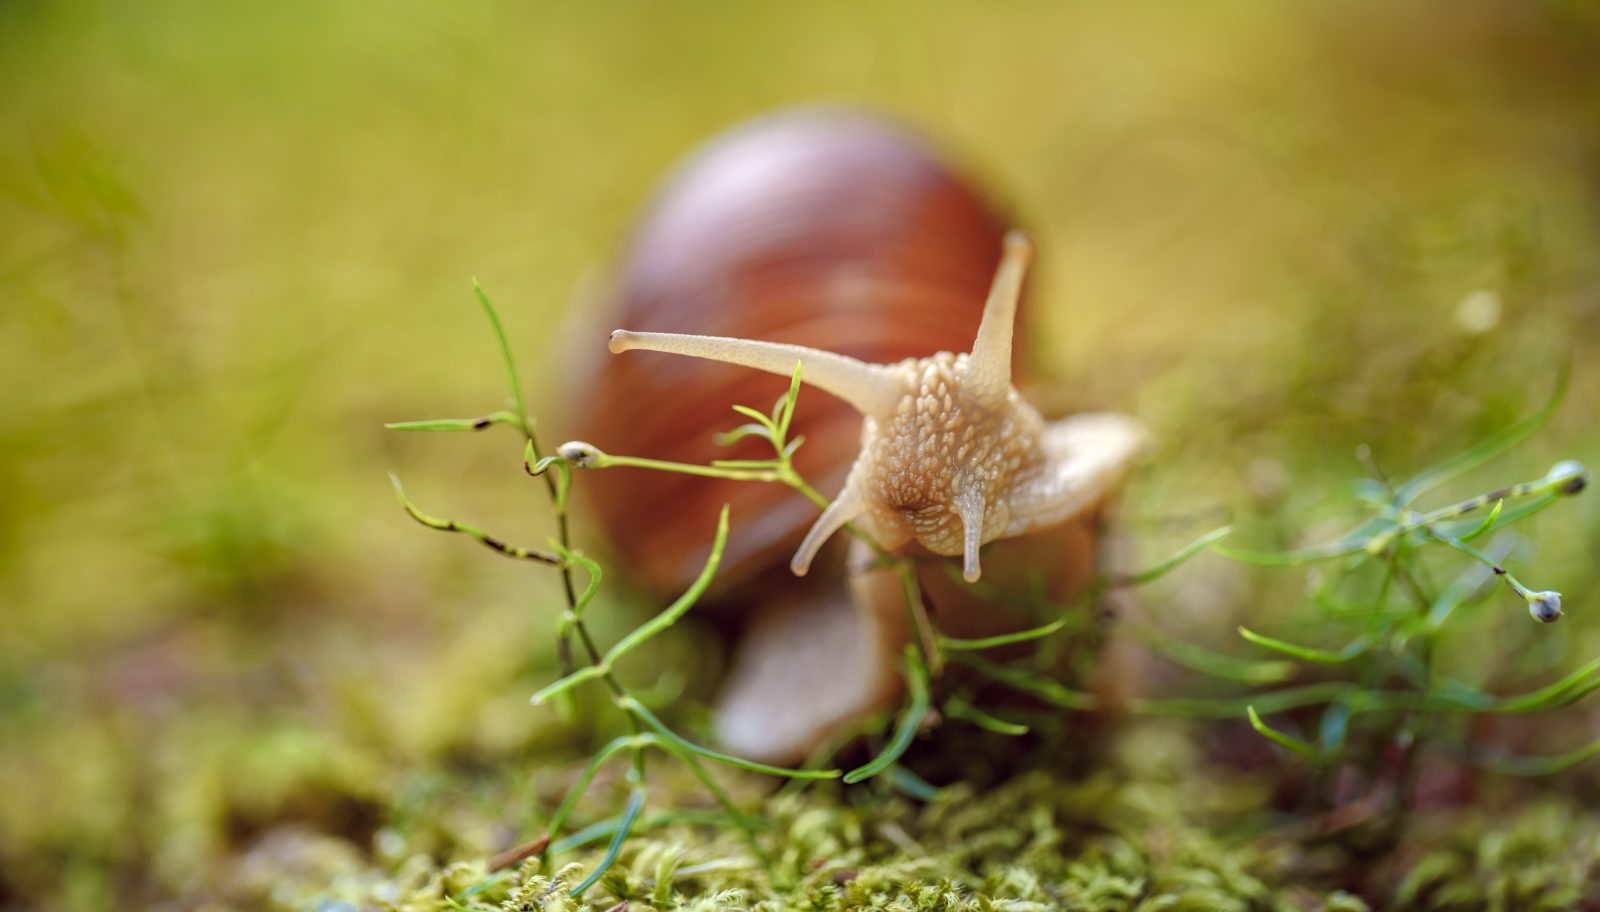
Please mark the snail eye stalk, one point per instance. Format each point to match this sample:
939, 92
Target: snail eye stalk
989, 366
869, 388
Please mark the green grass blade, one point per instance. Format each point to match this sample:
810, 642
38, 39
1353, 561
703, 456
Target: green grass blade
564, 684
494, 544
677, 609
911, 784
606, 461
1469, 550
630, 813
591, 567
505, 352
787, 404
1469, 585
1307, 653
1456, 697
1489, 448
1352, 542
1217, 665
602, 829
961, 709
1469, 530
1573, 687
1303, 748
1178, 559
758, 418
1233, 707
650, 719
1514, 765
1029, 682
582, 785
1004, 639
592, 833
910, 721
1334, 728
488, 883
728, 438
536, 466
457, 424
1488, 521
746, 825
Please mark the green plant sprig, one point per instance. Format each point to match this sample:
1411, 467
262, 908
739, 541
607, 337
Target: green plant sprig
1385, 534
497, 545
648, 731
1388, 692
773, 428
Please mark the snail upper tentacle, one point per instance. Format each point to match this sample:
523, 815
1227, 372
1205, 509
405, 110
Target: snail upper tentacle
865, 386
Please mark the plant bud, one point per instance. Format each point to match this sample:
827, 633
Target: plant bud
1575, 475
1545, 606
583, 455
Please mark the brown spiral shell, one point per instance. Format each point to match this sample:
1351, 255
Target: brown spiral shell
838, 230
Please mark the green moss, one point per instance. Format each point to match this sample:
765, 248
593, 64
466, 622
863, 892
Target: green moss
1153, 830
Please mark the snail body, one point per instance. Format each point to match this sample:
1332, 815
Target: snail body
931, 448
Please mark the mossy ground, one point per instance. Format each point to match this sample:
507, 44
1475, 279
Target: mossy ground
1151, 826
234, 242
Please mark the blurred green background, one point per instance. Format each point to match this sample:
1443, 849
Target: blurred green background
235, 240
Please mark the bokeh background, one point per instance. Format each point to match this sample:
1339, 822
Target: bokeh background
234, 240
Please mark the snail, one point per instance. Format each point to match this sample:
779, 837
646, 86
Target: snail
840, 241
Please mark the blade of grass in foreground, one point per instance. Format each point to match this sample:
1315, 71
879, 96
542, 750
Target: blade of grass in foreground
1471, 458
653, 721
505, 353
1302, 748
910, 721
1178, 559
1307, 653
624, 825
650, 628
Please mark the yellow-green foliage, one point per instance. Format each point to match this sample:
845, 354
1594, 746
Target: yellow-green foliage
1141, 835
235, 240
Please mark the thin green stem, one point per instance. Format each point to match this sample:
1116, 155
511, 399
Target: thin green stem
1004, 639
1027, 681
497, 545
910, 721
688, 758
926, 634
1303, 748
630, 813
1557, 480
957, 707
634, 708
